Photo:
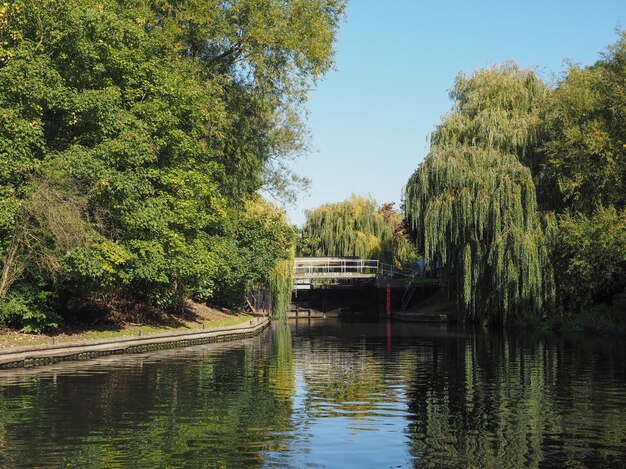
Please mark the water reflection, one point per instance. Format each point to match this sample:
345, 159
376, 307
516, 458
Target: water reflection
217, 405
328, 394
505, 401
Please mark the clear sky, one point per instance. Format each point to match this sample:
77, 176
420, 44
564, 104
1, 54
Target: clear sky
396, 61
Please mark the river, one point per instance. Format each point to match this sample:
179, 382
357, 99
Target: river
328, 393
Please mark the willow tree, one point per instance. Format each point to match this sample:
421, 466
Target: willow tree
280, 283
472, 202
355, 227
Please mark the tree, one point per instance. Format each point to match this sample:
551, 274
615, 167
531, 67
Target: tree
165, 118
591, 258
472, 202
356, 227
583, 177
584, 163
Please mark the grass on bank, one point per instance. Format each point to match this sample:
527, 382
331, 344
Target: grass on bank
435, 304
196, 317
600, 319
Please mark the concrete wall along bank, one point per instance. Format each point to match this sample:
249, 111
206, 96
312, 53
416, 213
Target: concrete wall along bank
46, 354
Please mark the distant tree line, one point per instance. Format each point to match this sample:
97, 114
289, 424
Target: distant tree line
357, 227
135, 136
522, 196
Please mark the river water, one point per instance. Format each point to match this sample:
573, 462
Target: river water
328, 393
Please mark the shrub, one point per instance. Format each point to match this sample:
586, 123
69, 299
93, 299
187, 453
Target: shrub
30, 310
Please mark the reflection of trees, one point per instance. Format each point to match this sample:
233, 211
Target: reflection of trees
474, 400
343, 379
345, 383
282, 382
282, 370
220, 408
496, 401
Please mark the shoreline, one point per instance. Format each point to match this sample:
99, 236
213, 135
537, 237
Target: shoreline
36, 355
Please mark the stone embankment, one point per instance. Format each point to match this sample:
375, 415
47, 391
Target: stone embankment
46, 354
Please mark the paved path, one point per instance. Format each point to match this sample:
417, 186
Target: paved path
45, 354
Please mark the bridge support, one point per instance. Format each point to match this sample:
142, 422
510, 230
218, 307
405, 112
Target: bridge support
335, 301
335, 286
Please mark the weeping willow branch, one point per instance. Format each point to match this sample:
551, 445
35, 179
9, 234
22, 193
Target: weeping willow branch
472, 203
475, 210
356, 227
280, 282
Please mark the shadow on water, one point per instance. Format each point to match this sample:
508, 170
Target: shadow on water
328, 393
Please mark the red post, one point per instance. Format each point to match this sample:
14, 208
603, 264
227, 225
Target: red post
388, 299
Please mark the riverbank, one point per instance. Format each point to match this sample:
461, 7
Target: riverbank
34, 355
130, 323
597, 319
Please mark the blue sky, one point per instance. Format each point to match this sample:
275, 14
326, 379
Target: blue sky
397, 59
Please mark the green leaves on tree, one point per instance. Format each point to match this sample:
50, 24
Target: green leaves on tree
163, 119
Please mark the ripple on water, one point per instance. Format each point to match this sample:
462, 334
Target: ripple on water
328, 394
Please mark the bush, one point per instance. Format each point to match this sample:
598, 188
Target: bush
590, 259
30, 310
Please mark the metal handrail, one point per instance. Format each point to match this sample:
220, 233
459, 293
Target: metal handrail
335, 265
409, 290
391, 269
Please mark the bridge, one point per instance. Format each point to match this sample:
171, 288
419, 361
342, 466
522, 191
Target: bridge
335, 268
345, 268
311, 273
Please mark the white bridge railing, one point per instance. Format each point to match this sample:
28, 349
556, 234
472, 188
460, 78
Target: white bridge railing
335, 267
309, 269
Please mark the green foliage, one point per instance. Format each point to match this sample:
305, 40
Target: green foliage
349, 228
510, 148
590, 260
582, 176
600, 318
499, 107
260, 239
280, 284
152, 125
401, 251
472, 202
30, 310
356, 227
585, 149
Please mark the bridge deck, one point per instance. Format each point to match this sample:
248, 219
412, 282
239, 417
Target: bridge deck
335, 268
331, 275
